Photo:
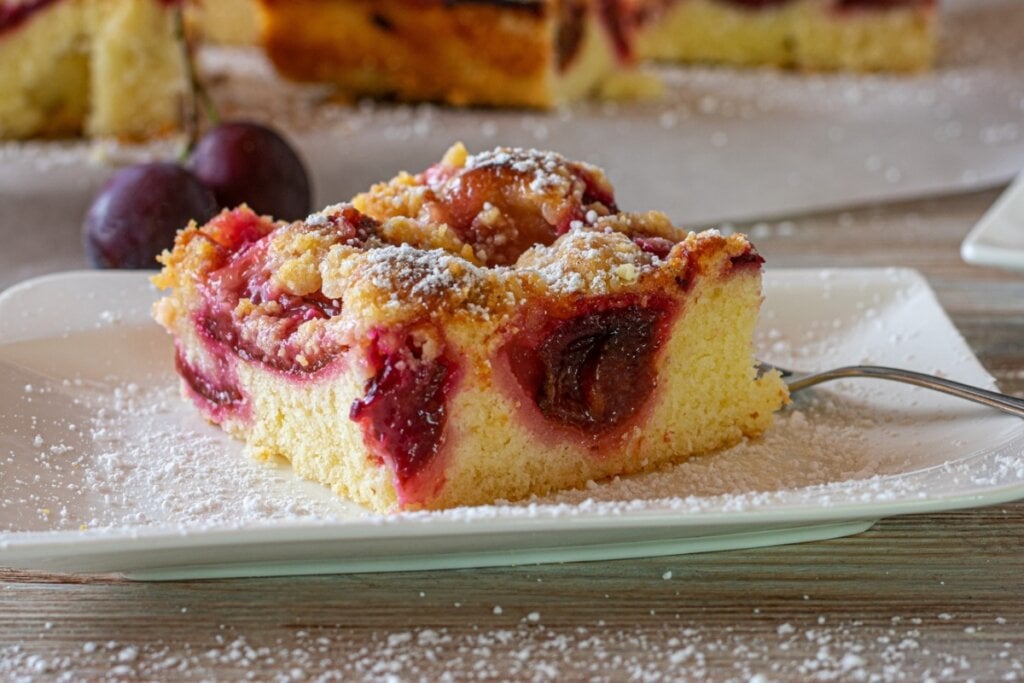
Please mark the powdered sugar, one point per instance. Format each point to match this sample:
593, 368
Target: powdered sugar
547, 170
514, 644
143, 459
154, 465
590, 260
580, 261
419, 273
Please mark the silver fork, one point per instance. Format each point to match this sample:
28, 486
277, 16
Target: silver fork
801, 380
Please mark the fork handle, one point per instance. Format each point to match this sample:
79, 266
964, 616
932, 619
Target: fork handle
1007, 404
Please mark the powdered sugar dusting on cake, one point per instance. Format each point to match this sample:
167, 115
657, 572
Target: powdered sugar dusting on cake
586, 260
424, 274
434, 281
547, 169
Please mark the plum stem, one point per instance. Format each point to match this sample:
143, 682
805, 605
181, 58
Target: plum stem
200, 101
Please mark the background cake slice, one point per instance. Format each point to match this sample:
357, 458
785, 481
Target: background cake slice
540, 53
529, 53
857, 35
93, 67
225, 22
490, 329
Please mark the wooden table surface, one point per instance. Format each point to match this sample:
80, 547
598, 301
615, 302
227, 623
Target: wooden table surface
929, 597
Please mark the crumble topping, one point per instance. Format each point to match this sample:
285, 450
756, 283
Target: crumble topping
406, 282
288, 293
497, 204
589, 261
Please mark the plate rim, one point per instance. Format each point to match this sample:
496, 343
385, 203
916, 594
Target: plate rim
979, 248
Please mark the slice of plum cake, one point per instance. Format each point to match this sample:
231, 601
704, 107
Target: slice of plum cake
489, 329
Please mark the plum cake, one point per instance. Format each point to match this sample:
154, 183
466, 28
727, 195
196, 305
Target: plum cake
489, 329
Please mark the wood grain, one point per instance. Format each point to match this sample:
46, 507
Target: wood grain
937, 597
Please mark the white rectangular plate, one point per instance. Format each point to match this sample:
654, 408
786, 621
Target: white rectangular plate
998, 238
104, 469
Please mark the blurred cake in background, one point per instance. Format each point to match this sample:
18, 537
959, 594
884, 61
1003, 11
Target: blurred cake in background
116, 67
543, 52
93, 67
816, 35
533, 53
226, 22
